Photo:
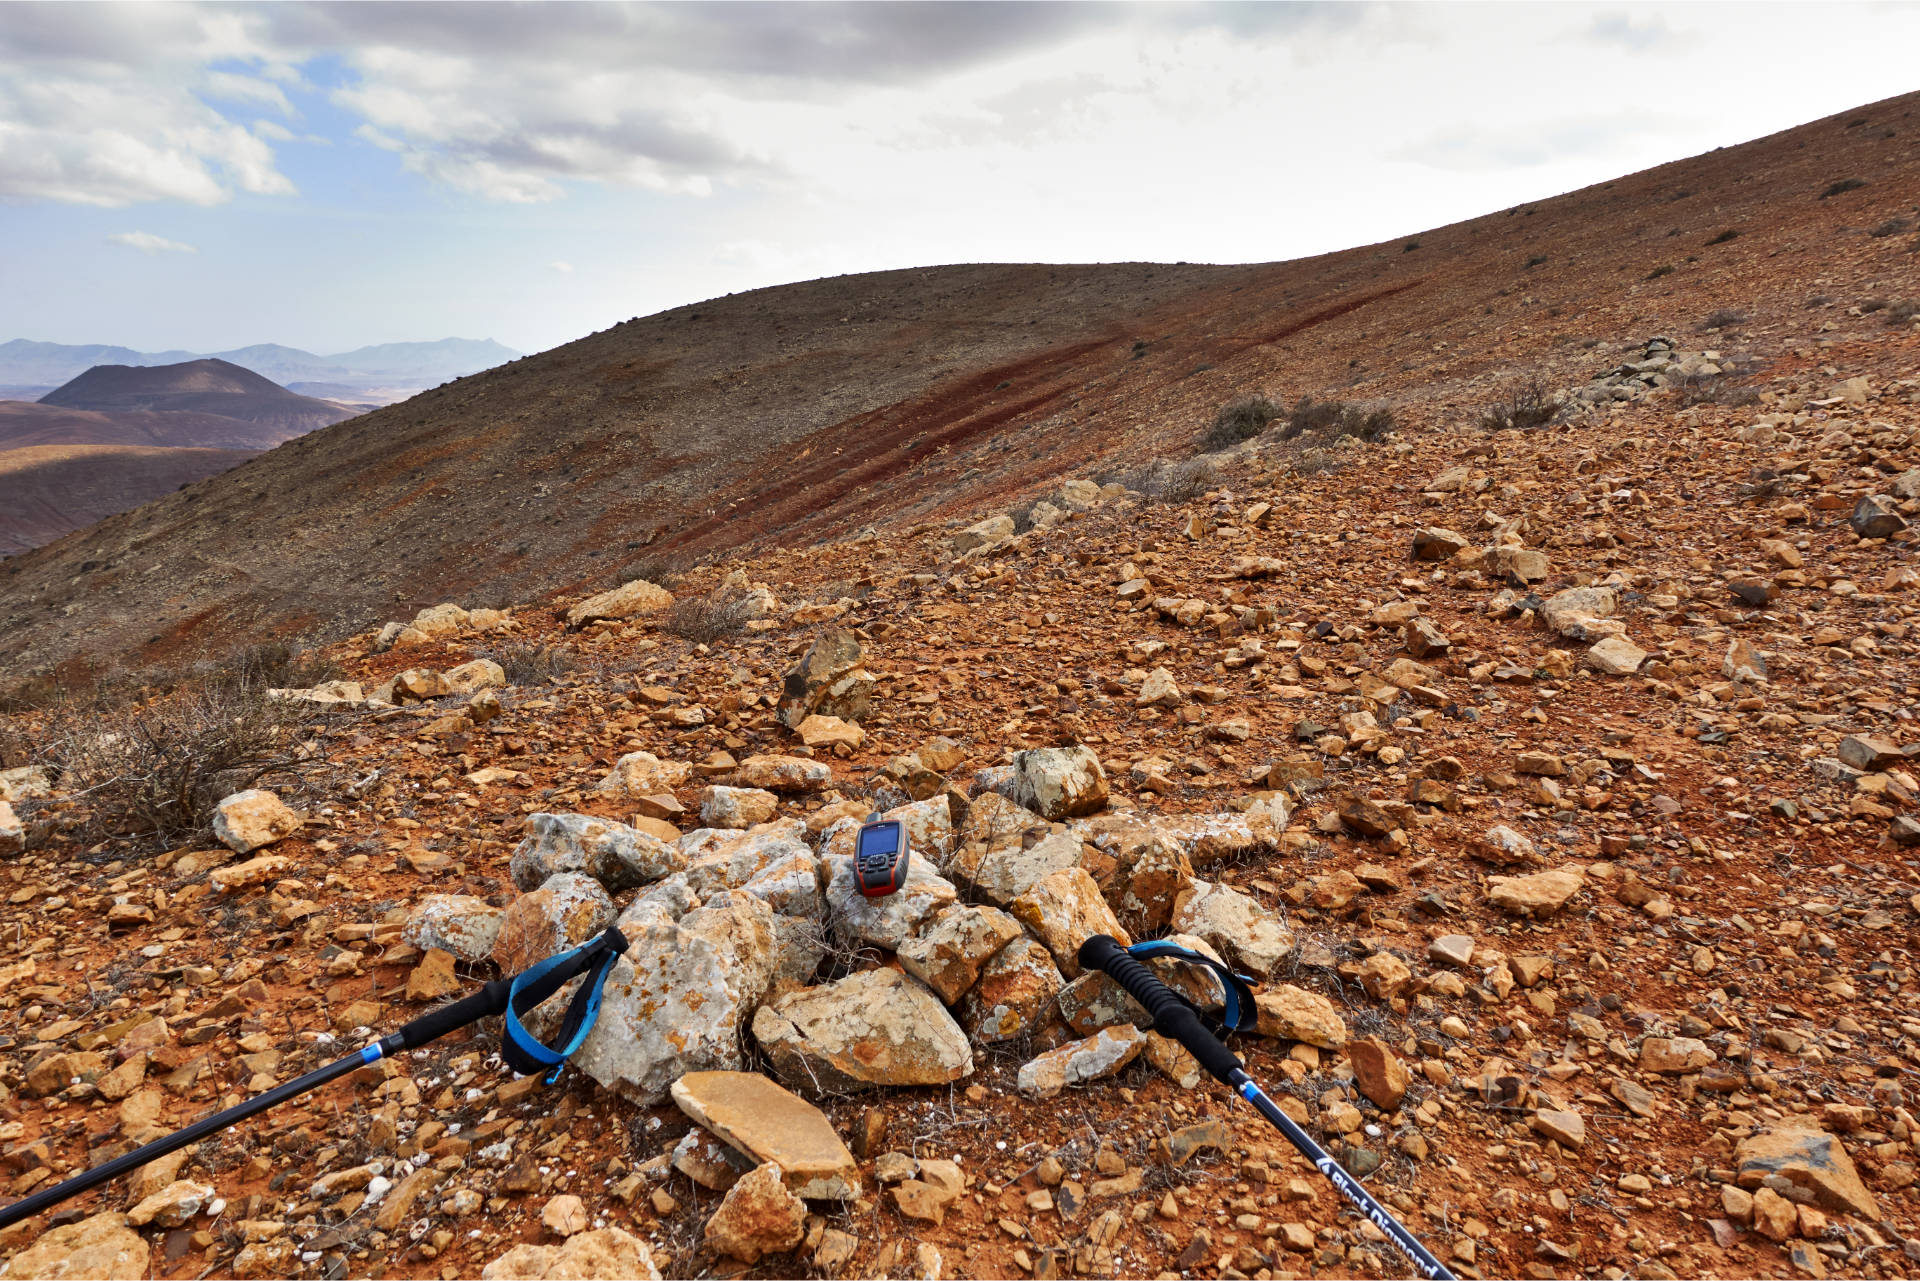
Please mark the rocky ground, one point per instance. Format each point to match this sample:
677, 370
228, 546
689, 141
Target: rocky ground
1554, 783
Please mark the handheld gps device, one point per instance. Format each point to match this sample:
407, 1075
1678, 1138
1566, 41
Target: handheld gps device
880, 856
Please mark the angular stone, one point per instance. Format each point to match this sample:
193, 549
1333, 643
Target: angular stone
13, 833
1616, 656
984, 533
1094, 1001
786, 774
827, 681
757, 1217
1101, 1055
639, 774
247, 821
1246, 934
1438, 543
629, 600
830, 732
949, 955
1059, 782
1807, 1158
1565, 1128
874, 1027
172, 1206
1743, 663
1673, 1055
1874, 517
433, 979
461, 924
1295, 1014
1159, 690
470, 678
1576, 614
605, 1253
768, 1123
1452, 949
1541, 894
1365, 817
1870, 752
1378, 1072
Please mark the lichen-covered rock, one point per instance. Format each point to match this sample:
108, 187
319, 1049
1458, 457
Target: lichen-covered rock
1064, 910
736, 808
614, 854
679, 999
1009, 870
1541, 894
783, 774
1059, 782
888, 921
249, 820
1295, 1014
948, 955
481, 673
874, 1027
563, 913
101, 1248
757, 1217
1015, 991
460, 924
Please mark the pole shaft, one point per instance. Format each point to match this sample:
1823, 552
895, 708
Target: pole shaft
1348, 1186
45, 1199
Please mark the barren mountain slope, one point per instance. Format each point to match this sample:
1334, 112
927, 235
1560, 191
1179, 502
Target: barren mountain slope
789, 414
25, 424
50, 490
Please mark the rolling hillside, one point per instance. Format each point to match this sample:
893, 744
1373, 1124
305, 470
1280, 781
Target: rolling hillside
795, 414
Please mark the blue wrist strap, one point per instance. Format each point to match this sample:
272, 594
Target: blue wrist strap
1239, 987
523, 1052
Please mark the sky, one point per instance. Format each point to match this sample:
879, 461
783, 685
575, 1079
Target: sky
208, 176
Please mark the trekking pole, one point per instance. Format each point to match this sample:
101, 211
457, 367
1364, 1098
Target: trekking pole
511, 997
1174, 1018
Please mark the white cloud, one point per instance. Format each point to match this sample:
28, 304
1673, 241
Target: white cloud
562, 266
233, 87
101, 107
148, 243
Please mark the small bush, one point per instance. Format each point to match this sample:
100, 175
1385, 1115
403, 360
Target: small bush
1870, 305
1338, 417
528, 663
1725, 318
1664, 269
1161, 481
1724, 237
1410, 246
724, 611
1842, 187
1527, 405
1891, 227
1240, 420
1535, 261
1903, 311
156, 772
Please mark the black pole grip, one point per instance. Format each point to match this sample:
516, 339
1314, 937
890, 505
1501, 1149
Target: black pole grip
434, 1024
1172, 1017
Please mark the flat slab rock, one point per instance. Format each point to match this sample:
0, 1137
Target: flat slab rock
765, 1121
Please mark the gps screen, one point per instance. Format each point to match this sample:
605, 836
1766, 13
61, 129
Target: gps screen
884, 839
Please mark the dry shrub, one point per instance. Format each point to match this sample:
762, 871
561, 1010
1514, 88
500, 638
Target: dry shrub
156, 771
530, 663
1725, 318
1338, 417
1240, 420
1161, 481
1903, 311
1527, 405
1842, 187
722, 612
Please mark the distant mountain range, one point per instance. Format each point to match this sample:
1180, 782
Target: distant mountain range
383, 372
